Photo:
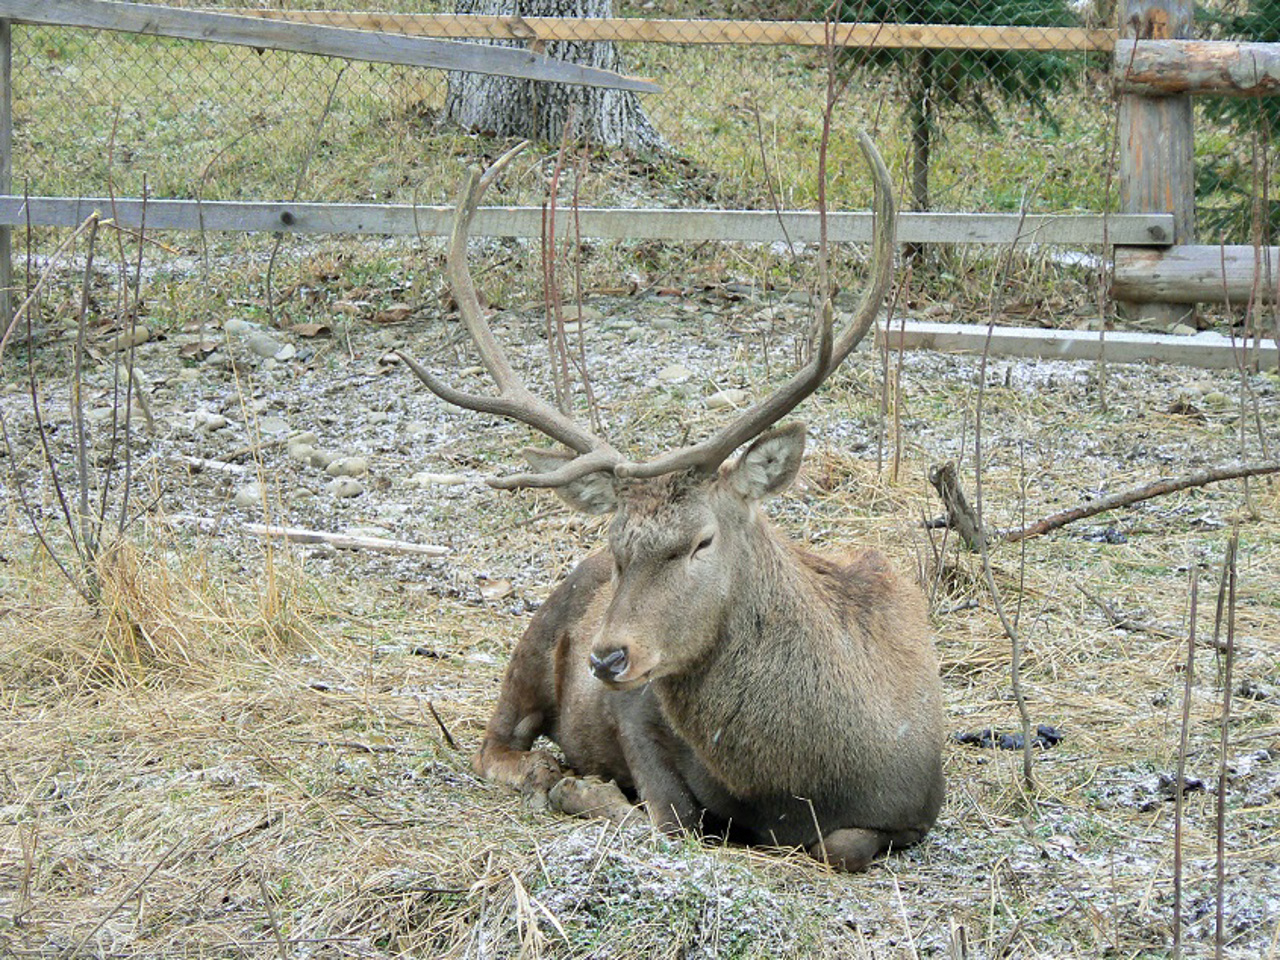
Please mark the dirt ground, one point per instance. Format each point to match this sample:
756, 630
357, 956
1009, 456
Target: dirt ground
281, 764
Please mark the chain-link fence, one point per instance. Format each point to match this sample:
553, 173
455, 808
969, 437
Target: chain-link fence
1000, 106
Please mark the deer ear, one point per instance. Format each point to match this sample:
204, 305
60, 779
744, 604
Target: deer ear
594, 493
770, 463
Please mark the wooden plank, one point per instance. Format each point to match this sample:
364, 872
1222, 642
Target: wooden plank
326, 41
1164, 67
806, 33
1197, 273
1209, 350
1157, 168
600, 223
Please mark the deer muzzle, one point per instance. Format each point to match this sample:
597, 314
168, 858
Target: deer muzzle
611, 665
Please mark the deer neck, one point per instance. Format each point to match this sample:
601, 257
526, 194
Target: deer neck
762, 672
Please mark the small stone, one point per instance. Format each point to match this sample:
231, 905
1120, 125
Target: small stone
322, 458
287, 352
301, 452
130, 338
239, 328
727, 399
344, 487
417, 428
273, 426
347, 467
664, 323
208, 422
1184, 330
264, 345
675, 373
584, 314
250, 495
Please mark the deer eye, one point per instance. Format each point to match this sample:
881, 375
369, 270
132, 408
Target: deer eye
703, 545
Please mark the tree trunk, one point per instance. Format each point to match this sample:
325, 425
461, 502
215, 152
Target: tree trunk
507, 107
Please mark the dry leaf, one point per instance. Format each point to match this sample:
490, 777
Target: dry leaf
311, 329
396, 313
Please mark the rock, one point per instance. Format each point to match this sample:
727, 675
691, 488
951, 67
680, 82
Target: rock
344, 487
250, 495
573, 313
322, 458
208, 422
664, 323
128, 339
675, 373
239, 328
301, 452
726, 399
347, 467
287, 352
264, 345
273, 426
416, 429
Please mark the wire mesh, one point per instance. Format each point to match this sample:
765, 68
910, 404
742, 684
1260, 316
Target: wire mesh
996, 106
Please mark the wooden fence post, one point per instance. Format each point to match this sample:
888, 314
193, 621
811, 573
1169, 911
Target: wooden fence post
1157, 168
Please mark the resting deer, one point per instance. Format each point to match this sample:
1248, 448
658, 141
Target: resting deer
728, 678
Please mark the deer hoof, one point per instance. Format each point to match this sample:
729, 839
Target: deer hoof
541, 772
592, 797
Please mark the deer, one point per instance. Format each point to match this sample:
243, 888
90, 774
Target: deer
701, 669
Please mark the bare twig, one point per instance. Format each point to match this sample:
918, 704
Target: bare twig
1229, 582
1011, 631
297, 189
1184, 732
448, 737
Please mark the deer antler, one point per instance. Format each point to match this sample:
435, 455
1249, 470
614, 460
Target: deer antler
513, 401
706, 456
594, 453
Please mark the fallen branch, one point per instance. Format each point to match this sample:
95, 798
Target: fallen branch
340, 541
1124, 498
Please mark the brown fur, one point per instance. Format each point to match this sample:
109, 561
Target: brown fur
750, 687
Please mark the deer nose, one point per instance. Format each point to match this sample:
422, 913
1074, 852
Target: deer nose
611, 665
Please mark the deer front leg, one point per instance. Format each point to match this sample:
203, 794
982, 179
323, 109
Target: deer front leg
505, 757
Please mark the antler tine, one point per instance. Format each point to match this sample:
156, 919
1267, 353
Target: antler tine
514, 401
707, 455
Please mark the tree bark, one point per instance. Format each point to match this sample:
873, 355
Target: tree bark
508, 107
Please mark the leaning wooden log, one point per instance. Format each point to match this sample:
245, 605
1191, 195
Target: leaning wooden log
1196, 273
1223, 68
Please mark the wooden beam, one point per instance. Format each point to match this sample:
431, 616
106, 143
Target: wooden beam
326, 41
1209, 350
1164, 67
1197, 273
1157, 156
601, 223
805, 33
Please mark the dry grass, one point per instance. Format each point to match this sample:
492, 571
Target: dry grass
208, 768
238, 752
